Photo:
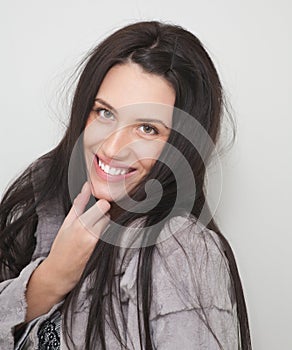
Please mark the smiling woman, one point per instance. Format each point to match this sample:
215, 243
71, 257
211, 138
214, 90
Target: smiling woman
137, 260
117, 146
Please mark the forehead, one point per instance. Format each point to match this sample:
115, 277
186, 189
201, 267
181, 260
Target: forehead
129, 84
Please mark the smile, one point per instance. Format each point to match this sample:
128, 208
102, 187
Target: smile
112, 171
112, 174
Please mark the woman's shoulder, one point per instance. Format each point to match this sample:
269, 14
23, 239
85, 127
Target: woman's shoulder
188, 233
190, 269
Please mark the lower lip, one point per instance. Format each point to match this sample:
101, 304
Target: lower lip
109, 177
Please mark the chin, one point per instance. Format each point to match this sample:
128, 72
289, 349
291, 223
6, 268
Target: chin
107, 195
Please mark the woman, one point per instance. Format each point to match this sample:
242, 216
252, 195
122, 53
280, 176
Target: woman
146, 265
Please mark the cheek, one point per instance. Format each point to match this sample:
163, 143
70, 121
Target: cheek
91, 136
147, 164
149, 154
87, 137
94, 133
150, 150
89, 120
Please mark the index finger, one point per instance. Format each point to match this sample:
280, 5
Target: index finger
95, 213
79, 205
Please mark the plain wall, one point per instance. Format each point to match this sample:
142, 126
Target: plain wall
250, 44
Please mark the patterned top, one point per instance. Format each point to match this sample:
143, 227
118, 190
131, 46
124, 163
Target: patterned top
49, 333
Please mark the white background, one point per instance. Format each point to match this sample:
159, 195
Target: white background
250, 44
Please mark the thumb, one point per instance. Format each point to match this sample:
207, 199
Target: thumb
79, 205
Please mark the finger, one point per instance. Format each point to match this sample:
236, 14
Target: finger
79, 204
97, 229
95, 213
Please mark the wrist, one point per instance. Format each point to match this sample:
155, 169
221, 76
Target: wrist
54, 286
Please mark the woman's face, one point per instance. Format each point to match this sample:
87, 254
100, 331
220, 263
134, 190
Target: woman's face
126, 129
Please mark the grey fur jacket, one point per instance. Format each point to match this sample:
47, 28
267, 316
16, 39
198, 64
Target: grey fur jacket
176, 315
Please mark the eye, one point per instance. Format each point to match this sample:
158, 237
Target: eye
149, 129
104, 113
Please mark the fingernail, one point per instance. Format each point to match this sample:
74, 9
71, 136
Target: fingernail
104, 205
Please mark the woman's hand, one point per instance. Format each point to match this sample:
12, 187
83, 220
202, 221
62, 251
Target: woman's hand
75, 242
57, 275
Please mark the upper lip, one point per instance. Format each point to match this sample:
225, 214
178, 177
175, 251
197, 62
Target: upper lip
113, 163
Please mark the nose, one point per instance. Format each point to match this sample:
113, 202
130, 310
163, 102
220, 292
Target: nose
117, 144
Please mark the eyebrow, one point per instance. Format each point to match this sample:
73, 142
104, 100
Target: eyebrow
106, 105
145, 120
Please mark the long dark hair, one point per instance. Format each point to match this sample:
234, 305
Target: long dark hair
179, 57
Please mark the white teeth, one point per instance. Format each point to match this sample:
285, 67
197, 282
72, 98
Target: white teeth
112, 171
